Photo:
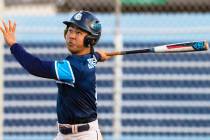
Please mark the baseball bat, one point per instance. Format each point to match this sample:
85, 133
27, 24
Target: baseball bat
170, 48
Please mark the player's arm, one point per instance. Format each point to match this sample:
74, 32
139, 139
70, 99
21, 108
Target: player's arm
59, 70
31, 63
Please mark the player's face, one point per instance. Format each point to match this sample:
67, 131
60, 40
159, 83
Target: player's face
75, 40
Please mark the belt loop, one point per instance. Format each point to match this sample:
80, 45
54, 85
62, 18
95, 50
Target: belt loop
58, 127
73, 129
76, 128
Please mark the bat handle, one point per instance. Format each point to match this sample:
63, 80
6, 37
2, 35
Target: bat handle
114, 53
147, 50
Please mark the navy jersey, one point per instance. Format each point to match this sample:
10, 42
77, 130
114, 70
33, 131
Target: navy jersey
76, 82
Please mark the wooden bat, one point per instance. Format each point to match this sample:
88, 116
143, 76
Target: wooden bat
170, 48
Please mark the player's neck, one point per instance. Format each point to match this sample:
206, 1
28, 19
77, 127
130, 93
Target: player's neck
83, 52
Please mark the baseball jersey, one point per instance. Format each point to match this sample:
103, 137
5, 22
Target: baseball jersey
76, 82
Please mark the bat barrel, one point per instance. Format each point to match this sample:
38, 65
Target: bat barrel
200, 46
182, 47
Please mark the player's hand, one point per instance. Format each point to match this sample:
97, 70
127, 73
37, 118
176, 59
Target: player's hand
103, 55
9, 32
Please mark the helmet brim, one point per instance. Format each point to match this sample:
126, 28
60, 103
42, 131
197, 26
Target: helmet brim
67, 23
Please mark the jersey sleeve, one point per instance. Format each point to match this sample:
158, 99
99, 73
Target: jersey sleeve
33, 64
64, 71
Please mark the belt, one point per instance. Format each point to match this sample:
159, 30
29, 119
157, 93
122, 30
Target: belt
73, 129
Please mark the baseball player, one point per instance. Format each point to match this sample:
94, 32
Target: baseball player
74, 75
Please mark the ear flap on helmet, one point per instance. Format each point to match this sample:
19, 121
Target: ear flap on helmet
90, 40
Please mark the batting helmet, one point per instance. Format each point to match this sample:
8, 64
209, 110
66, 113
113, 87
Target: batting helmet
89, 23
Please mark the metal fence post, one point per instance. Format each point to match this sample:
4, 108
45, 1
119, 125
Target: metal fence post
118, 73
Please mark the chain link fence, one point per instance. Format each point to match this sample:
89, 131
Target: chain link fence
127, 5
135, 5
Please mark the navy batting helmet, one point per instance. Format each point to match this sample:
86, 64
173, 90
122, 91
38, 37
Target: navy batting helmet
89, 23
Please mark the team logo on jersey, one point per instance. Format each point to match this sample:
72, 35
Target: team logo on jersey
92, 62
78, 16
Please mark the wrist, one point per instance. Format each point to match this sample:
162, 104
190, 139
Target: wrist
12, 44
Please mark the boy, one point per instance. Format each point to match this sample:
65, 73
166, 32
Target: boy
75, 75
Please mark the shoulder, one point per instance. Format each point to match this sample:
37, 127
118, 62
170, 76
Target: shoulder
97, 56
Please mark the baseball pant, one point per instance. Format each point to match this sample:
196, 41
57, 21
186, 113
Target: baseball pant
93, 133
